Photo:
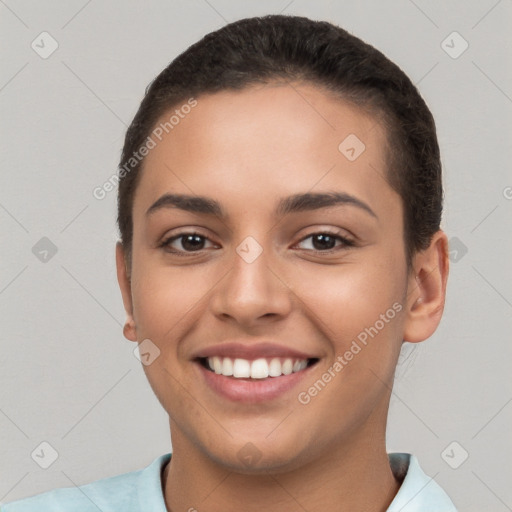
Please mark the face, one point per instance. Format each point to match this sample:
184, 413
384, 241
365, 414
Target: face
259, 279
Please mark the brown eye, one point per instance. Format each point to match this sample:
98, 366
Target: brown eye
184, 243
325, 241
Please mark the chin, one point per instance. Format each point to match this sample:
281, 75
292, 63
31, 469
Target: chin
255, 455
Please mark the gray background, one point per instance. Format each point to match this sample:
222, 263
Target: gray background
68, 376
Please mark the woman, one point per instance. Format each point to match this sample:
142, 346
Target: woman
280, 199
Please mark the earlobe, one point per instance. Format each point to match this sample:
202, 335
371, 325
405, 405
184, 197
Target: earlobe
427, 290
129, 329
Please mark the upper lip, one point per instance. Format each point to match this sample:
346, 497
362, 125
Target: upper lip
251, 351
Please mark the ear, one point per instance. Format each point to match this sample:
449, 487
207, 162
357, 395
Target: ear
427, 290
129, 330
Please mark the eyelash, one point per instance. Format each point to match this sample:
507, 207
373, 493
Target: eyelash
346, 242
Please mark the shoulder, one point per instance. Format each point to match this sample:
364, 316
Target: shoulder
418, 491
121, 492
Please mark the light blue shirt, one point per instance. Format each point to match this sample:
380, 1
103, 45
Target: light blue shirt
141, 490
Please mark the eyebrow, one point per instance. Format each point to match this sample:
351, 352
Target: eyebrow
292, 204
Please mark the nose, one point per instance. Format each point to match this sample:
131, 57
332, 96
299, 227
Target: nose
252, 291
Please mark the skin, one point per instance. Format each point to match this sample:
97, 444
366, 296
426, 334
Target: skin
247, 149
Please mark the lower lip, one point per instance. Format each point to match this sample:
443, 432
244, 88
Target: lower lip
252, 390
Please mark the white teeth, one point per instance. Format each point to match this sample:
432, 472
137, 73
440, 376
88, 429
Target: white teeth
296, 366
287, 366
241, 368
274, 369
227, 367
217, 365
257, 369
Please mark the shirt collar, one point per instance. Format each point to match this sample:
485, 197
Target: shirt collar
418, 492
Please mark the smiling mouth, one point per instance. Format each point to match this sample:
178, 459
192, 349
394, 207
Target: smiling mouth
261, 368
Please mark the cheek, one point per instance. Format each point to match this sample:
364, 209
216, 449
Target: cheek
166, 301
347, 299
359, 309
163, 297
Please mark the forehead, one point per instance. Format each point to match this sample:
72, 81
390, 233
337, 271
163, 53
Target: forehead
265, 142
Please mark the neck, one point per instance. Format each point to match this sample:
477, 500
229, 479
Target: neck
353, 476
